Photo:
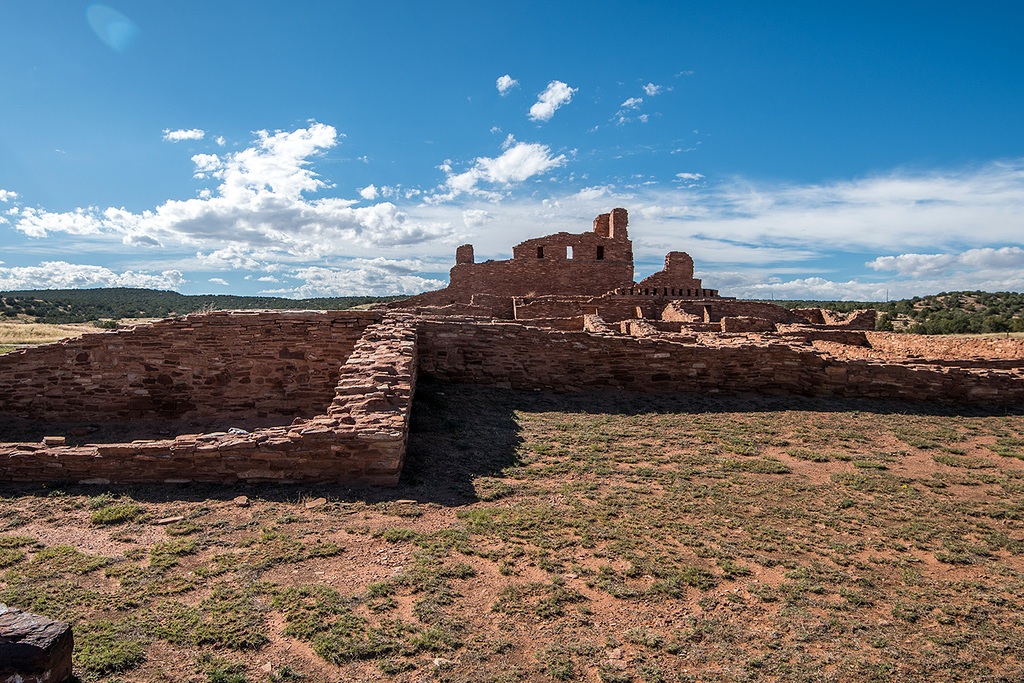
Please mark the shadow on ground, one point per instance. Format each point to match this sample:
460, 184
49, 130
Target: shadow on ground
460, 433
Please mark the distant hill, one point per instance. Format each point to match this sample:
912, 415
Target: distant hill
84, 305
945, 313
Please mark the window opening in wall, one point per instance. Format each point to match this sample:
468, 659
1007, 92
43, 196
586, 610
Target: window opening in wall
568, 252
600, 253
540, 252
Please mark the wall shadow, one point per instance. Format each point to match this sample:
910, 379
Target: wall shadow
460, 432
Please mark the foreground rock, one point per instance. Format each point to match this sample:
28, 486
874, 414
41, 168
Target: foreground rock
33, 649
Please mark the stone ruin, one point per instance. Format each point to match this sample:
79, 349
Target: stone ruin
590, 264
326, 395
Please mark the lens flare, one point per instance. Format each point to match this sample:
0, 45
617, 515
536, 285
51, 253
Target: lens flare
117, 31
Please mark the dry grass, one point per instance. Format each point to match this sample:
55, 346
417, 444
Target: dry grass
18, 333
537, 538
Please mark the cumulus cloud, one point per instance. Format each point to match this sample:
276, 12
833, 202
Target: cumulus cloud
475, 218
933, 265
652, 89
64, 275
506, 83
7, 194
632, 103
689, 176
219, 281
39, 222
259, 203
554, 96
179, 135
369, 192
519, 161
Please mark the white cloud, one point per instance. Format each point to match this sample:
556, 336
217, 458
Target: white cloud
258, 205
475, 218
379, 276
39, 222
220, 140
506, 83
179, 135
934, 265
632, 103
689, 176
519, 161
554, 96
652, 89
964, 209
64, 275
591, 193
7, 194
369, 192
761, 285
219, 281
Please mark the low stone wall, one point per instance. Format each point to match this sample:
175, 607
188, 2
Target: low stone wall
743, 323
612, 307
244, 364
511, 355
359, 437
946, 347
357, 432
810, 333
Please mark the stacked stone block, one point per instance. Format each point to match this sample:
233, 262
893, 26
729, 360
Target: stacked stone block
357, 434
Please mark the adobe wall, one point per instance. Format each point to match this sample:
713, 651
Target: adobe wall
512, 355
358, 437
234, 363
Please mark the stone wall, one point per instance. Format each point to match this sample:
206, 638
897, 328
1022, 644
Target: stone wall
244, 364
358, 437
947, 347
554, 274
508, 354
356, 430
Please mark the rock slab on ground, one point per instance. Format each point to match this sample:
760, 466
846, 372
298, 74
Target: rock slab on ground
33, 649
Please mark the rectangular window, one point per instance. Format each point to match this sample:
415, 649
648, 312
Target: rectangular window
600, 253
540, 252
568, 252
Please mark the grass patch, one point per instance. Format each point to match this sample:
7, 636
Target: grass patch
117, 513
963, 461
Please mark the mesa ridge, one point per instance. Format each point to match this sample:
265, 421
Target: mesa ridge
336, 387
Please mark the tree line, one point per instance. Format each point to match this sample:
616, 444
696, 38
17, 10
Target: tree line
111, 304
945, 313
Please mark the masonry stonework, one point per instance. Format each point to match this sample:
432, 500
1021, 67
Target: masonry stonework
333, 389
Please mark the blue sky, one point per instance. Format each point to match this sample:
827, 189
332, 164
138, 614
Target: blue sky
839, 150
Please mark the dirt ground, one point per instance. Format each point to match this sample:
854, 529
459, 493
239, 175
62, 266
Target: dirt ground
536, 537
